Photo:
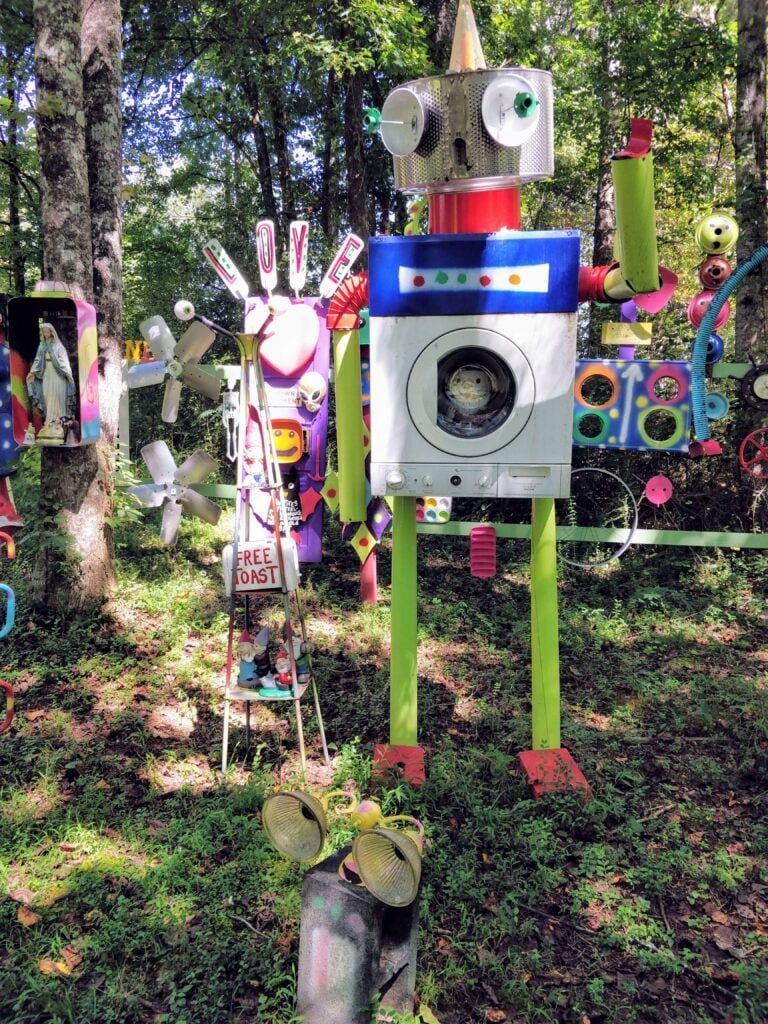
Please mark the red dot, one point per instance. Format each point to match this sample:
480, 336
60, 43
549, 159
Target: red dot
485, 280
332, 493
363, 542
418, 280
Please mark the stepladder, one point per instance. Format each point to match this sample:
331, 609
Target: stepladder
262, 561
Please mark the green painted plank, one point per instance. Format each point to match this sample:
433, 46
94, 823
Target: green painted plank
403, 677
730, 369
678, 538
545, 643
522, 531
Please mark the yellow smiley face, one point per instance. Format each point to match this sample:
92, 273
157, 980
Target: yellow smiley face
287, 438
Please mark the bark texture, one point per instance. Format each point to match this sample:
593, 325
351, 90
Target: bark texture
330, 172
17, 261
357, 185
101, 65
77, 67
749, 144
65, 206
264, 164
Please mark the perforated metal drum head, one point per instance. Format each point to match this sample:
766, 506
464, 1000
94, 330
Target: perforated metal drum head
456, 151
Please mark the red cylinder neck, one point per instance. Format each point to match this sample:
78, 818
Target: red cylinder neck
474, 213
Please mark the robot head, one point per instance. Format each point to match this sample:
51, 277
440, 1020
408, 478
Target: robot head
474, 127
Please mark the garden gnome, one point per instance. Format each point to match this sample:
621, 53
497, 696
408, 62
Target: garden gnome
283, 669
261, 643
301, 652
246, 650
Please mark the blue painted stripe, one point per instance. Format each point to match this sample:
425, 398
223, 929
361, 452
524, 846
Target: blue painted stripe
397, 266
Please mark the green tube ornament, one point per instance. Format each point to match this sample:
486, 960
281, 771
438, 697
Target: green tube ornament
636, 246
350, 444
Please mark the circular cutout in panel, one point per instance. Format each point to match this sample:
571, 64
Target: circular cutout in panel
597, 387
666, 390
660, 426
667, 385
591, 427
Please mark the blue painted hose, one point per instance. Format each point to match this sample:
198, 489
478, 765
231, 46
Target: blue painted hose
701, 342
10, 610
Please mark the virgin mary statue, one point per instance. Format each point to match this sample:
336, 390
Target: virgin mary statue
51, 387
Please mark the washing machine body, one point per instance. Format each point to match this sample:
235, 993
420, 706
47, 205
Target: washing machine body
472, 353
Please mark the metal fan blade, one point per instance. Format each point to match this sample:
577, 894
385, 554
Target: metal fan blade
149, 495
200, 506
195, 469
157, 334
194, 343
203, 381
160, 462
170, 523
143, 374
170, 409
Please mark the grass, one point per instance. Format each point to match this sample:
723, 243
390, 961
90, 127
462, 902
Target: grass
140, 888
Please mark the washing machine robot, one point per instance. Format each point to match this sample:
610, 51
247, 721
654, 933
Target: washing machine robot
473, 350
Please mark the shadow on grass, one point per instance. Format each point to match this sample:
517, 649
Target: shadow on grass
646, 904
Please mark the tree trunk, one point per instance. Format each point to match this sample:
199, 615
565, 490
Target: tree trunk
330, 175
357, 186
66, 214
17, 261
75, 565
100, 51
749, 143
441, 14
266, 180
282, 156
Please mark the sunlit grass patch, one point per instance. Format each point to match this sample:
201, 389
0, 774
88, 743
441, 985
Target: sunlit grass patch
169, 773
22, 805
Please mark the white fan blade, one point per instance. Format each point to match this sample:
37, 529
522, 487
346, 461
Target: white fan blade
194, 343
170, 523
160, 462
157, 334
195, 469
143, 374
202, 381
148, 495
200, 506
170, 409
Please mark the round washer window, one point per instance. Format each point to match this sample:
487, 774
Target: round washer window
470, 392
476, 392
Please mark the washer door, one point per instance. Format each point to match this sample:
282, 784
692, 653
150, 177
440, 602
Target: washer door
470, 392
